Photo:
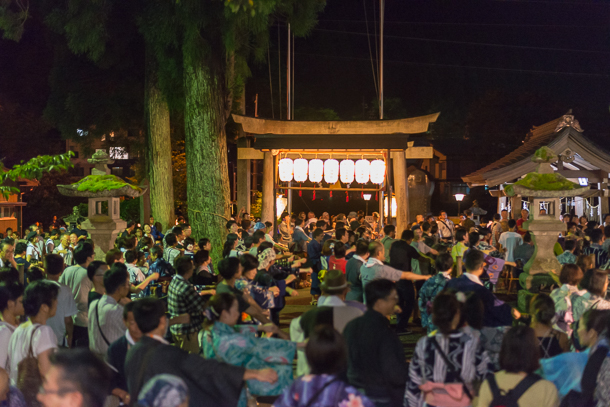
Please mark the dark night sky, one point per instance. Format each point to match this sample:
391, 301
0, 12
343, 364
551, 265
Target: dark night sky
542, 58
333, 68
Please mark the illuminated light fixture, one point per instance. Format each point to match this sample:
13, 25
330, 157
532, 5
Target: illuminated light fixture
377, 171
347, 168
300, 170
459, 197
281, 203
331, 171
286, 170
367, 197
316, 170
385, 206
363, 169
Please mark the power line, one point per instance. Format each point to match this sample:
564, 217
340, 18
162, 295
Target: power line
470, 43
368, 37
562, 26
464, 66
569, 3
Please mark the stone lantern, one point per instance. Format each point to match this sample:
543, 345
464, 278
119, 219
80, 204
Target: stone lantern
544, 185
104, 191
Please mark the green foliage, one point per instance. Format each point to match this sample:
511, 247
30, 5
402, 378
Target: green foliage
83, 209
97, 183
256, 207
13, 16
130, 209
545, 154
35, 168
546, 182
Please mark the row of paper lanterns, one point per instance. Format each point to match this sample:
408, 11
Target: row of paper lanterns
362, 170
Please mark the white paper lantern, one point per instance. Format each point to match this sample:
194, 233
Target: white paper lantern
331, 171
363, 168
316, 170
394, 206
300, 170
377, 171
347, 171
286, 168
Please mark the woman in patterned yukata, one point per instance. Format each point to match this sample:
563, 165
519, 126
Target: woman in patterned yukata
327, 358
462, 349
269, 275
264, 296
569, 278
238, 345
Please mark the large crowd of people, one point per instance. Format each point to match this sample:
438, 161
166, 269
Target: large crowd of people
159, 322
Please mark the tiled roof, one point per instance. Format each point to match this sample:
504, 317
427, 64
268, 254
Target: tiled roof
537, 137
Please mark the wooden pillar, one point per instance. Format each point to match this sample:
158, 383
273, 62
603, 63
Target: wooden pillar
515, 206
268, 195
244, 179
401, 190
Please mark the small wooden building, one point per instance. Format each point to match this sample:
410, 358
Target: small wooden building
386, 140
580, 160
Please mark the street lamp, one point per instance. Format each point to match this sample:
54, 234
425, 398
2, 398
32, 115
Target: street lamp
459, 198
367, 198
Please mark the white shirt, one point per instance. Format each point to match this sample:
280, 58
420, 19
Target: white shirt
67, 256
473, 278
6, 330
33, 251
330, 301
66, 307
19, 345
510, 241
76, 278
111, 324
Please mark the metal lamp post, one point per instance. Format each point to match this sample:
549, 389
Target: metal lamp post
459, 198
367, 198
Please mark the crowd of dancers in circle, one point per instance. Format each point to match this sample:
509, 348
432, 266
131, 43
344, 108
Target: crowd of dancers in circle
157, 322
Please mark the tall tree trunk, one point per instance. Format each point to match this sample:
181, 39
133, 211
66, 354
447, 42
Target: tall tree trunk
206, 154
158, 150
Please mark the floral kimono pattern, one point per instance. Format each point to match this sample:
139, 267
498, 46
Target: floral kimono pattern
427, 294
563, 307
335, 394
582, 303
263, 297
239, 346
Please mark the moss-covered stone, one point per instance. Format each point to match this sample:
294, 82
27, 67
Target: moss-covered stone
97, 183
546, 182
545, 154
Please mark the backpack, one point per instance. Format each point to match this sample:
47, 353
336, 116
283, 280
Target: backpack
29, 379
511, 397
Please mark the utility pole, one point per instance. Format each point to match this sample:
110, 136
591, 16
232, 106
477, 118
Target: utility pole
289, 80
381, 12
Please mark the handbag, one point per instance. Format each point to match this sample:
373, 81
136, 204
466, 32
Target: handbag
29, 378
445, 394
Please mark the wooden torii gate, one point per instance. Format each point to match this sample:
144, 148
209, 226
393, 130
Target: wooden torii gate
265, 139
